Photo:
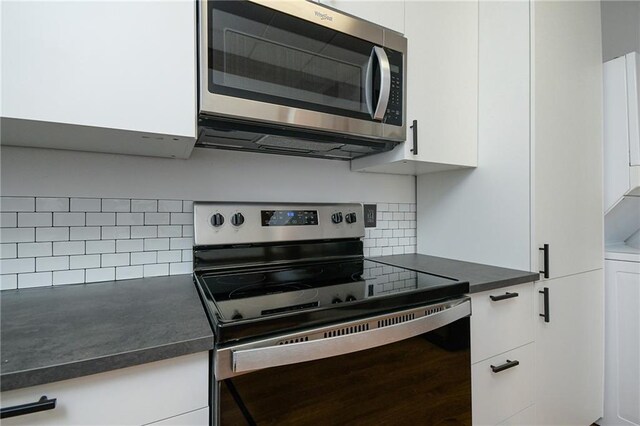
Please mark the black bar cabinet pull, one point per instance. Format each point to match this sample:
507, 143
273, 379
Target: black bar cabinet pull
545, 292
43, 404
414, 127
507, 365
545, 250
507, 295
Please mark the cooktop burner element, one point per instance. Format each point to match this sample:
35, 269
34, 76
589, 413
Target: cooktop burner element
287, 267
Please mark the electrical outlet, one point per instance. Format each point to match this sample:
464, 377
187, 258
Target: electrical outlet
370, 215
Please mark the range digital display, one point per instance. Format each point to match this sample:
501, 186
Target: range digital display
289, 217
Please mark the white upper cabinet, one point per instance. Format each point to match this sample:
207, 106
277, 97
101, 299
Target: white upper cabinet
388, 13
442, 91
567, 136
125, 71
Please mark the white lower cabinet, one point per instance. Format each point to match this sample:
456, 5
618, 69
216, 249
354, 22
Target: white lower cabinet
158, 391
500, 394
570, 350
502, 355
526, 417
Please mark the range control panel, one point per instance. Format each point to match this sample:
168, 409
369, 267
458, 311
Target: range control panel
243, 223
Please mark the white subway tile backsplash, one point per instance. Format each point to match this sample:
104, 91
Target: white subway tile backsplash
17, 235
68, 219
116, 205
34, 219
156, 218
144, 232
8, 251
100, 246
85, 205
181, 243
181, 218
187, 230
129, 272
34, 249
54, 263
180, 268
169, 256
170, 206
40, 279
143, 258
106, 239
84, 233
187, 255
17, 266
17, 204
152, 244
101, 219
100, 274
68, 277
169, 231
52, 204
8, 220
117, 259
68, 248
157, 270
129, 245
130, 219
84, 261
8, 282
52, 234
116, 232
144, 206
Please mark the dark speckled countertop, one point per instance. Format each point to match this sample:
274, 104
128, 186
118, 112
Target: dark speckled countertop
58, 333
481, 277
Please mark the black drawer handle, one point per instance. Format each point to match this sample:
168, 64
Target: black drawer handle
545, 292
505, 296
43, 404
507, 365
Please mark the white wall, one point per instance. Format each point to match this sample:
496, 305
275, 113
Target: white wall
620, 28
208, 175
483, 215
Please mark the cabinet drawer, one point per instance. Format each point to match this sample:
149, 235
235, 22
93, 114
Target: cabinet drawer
502, 324
496, 396
195, 418
526, 417
129, 396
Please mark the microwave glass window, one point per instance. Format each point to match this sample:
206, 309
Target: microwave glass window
266, 55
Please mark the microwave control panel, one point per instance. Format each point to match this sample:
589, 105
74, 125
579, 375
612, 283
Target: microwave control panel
393, 114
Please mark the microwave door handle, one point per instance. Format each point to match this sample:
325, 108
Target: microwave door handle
378, 54
246, 360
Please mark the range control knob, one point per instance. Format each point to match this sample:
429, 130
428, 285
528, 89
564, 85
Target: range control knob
217, 220
350, 217
350, 298
237, 219
336, 300
336, 217
237, 316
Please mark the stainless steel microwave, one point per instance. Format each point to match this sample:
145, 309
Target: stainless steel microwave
298, 77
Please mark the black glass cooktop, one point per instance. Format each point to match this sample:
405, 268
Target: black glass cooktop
260, 301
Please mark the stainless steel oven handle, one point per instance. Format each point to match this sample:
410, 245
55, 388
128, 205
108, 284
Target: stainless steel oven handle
259, 358
385, 83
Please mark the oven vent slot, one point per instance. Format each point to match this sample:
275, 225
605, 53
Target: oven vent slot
296, 340
395, 320
434, 310
346, 330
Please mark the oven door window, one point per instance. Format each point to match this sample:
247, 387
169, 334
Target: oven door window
262, 54
423, 380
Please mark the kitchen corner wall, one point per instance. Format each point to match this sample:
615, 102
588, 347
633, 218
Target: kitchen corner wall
75, 217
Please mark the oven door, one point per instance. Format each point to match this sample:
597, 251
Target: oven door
400, 369
294, 63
